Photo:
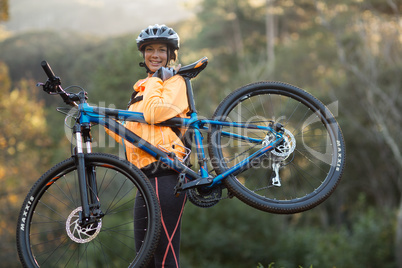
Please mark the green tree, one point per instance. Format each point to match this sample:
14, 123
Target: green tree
116, 72
370, 51
348, 51
22, 136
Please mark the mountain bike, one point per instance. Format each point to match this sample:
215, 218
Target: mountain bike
270, 144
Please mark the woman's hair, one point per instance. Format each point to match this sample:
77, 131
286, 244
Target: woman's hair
172, 54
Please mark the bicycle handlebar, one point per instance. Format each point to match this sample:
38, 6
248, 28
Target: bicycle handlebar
48, 70
53, 83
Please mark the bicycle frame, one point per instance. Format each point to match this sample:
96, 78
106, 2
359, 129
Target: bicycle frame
106, 117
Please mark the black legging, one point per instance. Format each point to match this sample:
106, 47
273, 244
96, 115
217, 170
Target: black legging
167, 252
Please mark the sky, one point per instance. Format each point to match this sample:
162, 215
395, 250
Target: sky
99, 17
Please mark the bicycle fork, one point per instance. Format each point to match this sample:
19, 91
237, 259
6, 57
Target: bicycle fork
86, 177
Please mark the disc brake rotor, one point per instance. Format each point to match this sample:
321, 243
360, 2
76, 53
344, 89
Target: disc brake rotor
81, 234
285, 148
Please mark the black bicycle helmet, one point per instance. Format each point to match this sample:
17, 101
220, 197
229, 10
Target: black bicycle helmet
158, 33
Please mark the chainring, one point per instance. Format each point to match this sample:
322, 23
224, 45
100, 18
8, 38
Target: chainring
205, 197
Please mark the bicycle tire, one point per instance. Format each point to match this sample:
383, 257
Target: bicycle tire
50, 210
308, 175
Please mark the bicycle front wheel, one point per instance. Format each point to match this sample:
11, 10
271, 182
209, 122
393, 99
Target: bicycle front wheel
302, 171
48, 233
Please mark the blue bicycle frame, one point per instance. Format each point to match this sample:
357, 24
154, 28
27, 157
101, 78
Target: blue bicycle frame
107, 118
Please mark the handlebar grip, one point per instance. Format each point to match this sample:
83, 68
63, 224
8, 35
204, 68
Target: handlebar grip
48, 70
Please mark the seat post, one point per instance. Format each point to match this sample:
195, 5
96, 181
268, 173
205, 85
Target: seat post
190, 96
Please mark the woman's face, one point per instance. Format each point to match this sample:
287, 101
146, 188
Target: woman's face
155, 56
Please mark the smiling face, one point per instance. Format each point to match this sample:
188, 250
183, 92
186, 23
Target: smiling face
155, 56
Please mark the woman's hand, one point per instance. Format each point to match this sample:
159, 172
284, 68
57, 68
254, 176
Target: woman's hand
177, 68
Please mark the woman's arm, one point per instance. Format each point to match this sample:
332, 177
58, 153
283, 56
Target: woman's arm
164, 100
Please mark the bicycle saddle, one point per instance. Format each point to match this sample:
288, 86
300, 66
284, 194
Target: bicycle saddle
192, 70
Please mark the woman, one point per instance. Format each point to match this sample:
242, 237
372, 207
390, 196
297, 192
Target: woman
160, 96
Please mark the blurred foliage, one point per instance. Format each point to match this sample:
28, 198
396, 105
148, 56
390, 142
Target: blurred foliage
4, 10
22, 155
347, 53
231, 234
116, 73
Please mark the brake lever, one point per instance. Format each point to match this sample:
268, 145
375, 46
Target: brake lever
50, 86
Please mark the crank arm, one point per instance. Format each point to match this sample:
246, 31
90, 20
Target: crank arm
181, 186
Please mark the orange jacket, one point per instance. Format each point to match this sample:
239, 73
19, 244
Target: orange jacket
161, 101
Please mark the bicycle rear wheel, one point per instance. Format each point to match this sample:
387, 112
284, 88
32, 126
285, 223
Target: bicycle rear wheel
303, 171
48, 233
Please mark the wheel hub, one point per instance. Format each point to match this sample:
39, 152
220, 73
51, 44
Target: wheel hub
81, 234
285, 148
